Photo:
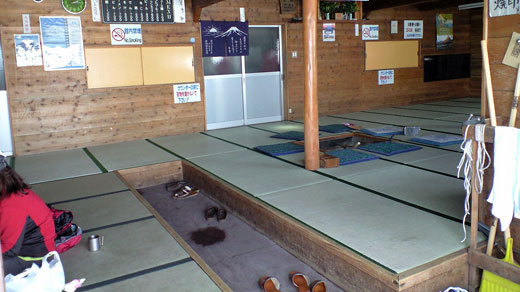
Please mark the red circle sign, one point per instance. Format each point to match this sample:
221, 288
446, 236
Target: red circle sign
118, 34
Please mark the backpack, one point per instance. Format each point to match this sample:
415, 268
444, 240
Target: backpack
68, 234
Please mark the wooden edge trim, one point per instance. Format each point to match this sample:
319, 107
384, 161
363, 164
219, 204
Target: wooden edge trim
489, 133
494, 265
439, 267
151, 175
202, 264
339, 264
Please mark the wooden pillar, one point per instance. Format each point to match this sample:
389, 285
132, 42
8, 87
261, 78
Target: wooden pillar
310, 19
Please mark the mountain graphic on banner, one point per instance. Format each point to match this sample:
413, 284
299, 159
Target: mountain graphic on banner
231, 31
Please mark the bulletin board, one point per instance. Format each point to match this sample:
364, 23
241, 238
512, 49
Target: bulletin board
162, 65
113, 67
391, 54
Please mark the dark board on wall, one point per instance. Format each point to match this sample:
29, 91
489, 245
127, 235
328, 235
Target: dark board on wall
137, 11
446, 67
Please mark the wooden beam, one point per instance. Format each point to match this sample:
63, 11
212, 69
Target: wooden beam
310, 26
197, 6
494, 265
378, 5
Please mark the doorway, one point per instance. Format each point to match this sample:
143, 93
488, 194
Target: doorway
246, 90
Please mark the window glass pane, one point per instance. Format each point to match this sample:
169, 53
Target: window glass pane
264, 50
2, 72
221, 65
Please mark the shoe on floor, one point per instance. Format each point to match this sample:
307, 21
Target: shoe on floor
300, 280
185, 192
176, 186
221, 215
269, 284
210, 213
318, 286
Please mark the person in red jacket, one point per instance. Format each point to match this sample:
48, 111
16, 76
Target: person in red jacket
26, 225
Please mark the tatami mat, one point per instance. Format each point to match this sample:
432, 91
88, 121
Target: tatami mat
446, 109
327, 120
279, 127
432, 191
246, 136
186, 277
379, 118
256, 173
394, 235
456, 118
80, 187
127, 249
438, 125
412, 156
467, 99
57, 165
446, 163
105, 210
409, 113
130, 154
195, 145
456, 104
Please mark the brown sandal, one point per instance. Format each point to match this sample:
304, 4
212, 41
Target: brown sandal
269, 284
318, 286
300, 280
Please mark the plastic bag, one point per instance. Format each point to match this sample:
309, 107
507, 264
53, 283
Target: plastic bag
49, 278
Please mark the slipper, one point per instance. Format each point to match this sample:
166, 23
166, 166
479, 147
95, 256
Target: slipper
176, 186
221, 215
185, 192
269, 284
210, 212
300, 280
318, 286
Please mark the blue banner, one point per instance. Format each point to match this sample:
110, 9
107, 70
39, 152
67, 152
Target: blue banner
224, 38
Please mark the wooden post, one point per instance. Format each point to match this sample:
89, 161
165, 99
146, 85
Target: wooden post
473, 270
484, 37
310, 19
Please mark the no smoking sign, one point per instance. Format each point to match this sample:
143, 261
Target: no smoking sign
126, 34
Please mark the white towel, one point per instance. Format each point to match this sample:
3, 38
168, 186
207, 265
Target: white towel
505, 181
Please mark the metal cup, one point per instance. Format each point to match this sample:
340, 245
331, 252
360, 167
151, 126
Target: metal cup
95, 242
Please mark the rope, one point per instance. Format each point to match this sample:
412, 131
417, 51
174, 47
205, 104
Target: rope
466, 164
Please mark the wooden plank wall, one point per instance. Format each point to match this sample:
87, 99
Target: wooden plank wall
54, 110
475, 83
344, 85
503, 78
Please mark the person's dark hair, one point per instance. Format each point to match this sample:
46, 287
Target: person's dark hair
11, 183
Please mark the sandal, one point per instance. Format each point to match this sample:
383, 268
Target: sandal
318, 286
185, 192
210, 212
221, 215
176, 186
300, 280
269, 284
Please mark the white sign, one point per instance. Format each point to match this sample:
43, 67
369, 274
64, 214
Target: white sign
179, 11
385, 77
26, 23
126, 34
96, 12
394, 27
62, 43
369, 32
183, 93
504, 7
356, 29
413, 29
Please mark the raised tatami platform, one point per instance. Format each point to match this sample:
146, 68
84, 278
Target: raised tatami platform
400, 213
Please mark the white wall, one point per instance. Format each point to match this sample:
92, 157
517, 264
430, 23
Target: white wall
6, 144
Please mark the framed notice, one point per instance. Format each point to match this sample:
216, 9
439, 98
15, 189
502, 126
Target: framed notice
413, 29
184, 93
137, 11
287, 6
504, 7
370, 32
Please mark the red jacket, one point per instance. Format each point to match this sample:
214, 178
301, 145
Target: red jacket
26, 226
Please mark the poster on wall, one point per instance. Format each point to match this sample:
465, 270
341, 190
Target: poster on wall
287, 6
126, 34
28, 50
504, 7
370, 32
62, 43
413, 29
184, 93
329, 32
444, 24
179, 11
385, 77
224, 38
138, 11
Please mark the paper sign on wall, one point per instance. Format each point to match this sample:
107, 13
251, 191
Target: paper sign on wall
179, 11
183, 93
394, 27
26, 20
28, 50
369, 32
329, 32
62, 43
126, 34
385, 77
503, 7
413, 29
96, 12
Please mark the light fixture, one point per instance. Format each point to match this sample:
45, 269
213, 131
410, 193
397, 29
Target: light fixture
471, 6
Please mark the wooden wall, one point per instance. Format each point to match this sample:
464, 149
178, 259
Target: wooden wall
55, 110
475, 83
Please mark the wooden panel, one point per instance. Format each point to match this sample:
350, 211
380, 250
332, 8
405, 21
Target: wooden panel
163, 65
113, 67
391, 54
152, 175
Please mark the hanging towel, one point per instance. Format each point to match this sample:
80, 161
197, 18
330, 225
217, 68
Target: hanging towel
505, 181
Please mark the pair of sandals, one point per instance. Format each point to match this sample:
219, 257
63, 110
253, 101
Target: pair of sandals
215, 212
181, 190
300, 280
